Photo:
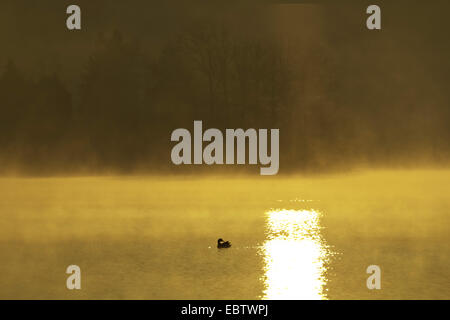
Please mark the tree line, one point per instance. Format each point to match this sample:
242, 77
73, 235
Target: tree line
127, 101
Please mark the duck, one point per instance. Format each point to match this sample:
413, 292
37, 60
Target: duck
223, 244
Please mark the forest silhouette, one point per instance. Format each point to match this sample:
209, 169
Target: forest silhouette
341, 97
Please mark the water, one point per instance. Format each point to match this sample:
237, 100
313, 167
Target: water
293, 237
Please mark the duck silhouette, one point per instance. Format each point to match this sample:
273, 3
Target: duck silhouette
223, 244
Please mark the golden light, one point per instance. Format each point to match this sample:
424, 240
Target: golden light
294, 255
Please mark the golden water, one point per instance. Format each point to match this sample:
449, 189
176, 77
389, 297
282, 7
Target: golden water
293, 237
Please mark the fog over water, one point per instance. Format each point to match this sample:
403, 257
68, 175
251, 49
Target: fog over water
86, 175
294, 238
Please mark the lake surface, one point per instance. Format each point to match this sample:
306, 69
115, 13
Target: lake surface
302, 237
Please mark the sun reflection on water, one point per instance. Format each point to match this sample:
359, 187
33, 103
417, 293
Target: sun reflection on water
294, 255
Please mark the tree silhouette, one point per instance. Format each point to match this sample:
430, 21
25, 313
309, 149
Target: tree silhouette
111, 106
15, 102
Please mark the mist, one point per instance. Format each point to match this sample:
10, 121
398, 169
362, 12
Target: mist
106, 98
